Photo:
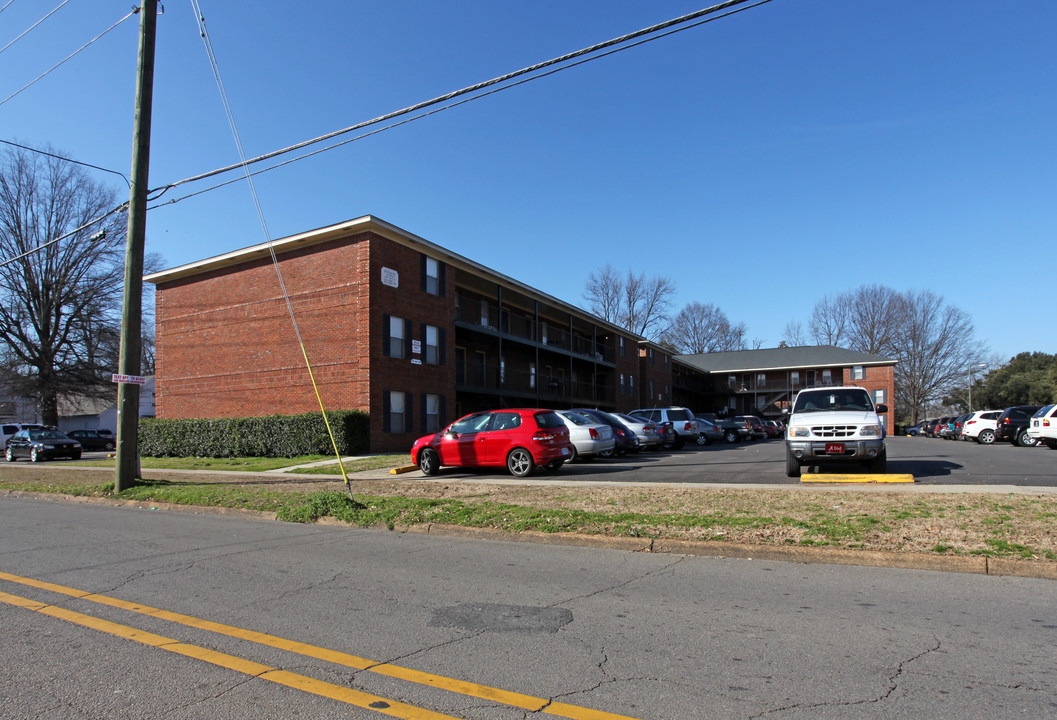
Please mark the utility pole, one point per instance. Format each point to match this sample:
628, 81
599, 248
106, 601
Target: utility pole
132, 307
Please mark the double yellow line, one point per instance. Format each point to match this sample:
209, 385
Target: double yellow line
299, 682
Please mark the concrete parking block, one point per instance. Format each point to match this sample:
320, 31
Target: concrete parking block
842, 478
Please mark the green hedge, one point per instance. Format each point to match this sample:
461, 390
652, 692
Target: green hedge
270, 436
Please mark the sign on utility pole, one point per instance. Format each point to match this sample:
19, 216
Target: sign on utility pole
132, 307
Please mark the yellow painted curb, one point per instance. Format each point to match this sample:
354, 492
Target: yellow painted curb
819, 478
403, 469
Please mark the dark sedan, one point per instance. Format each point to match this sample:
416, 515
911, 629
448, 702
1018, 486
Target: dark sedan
37, 445
92, 440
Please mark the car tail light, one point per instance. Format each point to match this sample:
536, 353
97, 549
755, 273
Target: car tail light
594, 434
688, 427
544, 435
1045, 422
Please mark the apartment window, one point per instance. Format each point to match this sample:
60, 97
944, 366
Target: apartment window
795, 377
878, 396
432, 345
432, 413
396, 336
651, 388
543, 331
761, 380
649, 354
431, 277
827, 377
622, 347
484, 313
502, 369
631, 384
858, 372
396, 412
532, 376
623, 390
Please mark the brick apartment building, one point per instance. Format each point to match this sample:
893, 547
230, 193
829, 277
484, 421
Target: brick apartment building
411, 333
391, 323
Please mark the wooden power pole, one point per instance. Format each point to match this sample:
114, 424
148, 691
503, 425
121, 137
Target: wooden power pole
132, 307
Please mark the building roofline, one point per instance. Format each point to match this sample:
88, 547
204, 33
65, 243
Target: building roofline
370, 223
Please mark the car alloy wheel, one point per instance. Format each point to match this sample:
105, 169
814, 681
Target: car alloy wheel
1025, 440
428, 462
10, 454
34, 456
731, 436
986, 437
702, 439
519, 462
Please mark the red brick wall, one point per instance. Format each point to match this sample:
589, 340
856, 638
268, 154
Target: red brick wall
877, 378
226, 346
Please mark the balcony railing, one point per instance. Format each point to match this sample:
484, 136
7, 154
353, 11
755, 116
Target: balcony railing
488, 315
777, 384
526, 384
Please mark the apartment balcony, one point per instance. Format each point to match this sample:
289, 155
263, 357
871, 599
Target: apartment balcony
490, 318
530, 387
776, 385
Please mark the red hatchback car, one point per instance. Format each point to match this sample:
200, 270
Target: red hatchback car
521, 439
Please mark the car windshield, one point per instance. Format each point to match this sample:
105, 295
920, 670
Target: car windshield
46, 435
577, 418
549, 419
855, 399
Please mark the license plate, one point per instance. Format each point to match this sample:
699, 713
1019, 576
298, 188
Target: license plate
834, 448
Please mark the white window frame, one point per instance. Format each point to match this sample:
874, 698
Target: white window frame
432, 345
397, 330
432, 276
397, 410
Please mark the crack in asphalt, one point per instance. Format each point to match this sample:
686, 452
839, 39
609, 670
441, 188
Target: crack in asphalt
893, 684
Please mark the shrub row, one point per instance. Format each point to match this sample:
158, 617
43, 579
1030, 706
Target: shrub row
269, 436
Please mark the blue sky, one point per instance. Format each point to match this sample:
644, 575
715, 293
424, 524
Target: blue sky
762, 161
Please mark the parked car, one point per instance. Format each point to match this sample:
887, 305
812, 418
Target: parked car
734, 431
956, 427
92, 440
648, 432
520, 439
916, 429
708, 432
41, 444
980, 426
1043, 426
682, 420
589, 437
624, 437
772, 429
755, 426
9, 429
1012, 425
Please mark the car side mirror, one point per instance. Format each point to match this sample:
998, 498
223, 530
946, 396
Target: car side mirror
881, 408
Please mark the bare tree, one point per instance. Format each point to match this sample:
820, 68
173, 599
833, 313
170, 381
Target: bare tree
793, 334
603, 293
829, 320
934, 344
875, 316
699, 328
634, 302
61, 277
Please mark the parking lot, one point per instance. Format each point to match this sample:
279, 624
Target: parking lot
930, 461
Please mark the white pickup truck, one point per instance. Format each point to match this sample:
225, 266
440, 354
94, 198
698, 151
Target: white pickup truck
835, 425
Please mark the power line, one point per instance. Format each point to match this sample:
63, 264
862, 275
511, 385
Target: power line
477, 87
31, 27
75, 52
161, 191
66, 159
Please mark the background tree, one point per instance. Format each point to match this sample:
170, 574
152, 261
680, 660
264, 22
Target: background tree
935, 345
793, 335
60, 301
1030, 378
829, 321
635, 302
699, 328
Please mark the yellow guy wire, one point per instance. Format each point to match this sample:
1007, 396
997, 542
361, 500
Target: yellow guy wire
264, 225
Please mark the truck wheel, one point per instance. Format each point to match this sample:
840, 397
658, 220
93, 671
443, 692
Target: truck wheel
880, 463
792, 465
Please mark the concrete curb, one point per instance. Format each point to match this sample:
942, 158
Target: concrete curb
806, 555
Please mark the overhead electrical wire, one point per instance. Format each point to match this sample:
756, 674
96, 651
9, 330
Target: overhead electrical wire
28, 30
66, 159
134, 11
683, 19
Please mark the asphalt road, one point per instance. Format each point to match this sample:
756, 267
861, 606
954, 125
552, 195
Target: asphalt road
930, 461
479, 629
